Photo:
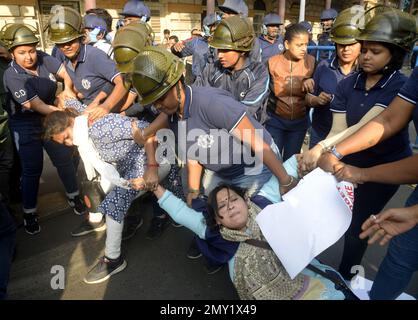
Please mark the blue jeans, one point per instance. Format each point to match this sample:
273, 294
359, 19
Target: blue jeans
289, 141
315, 138
369, 198
30, 145
399, 264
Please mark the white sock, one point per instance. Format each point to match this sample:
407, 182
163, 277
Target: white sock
95, 217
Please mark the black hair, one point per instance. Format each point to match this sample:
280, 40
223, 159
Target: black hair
293, 31
166, 31
212, 203
57, 121
104, 14
176, 39
398, 57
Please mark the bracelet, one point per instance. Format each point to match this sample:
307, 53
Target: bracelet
335, 153
194, 190
291, 181
156, 165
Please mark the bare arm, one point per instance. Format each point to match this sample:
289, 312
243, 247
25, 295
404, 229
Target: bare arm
393, 119
39, 106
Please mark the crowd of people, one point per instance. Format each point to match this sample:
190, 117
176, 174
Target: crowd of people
212, 148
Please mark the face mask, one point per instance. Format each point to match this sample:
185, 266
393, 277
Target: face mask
144, 19
93, 34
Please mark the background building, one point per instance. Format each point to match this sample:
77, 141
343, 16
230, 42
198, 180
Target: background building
180, 16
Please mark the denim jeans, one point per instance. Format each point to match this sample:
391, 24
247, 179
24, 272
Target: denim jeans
399, 264
29, 144
369, 198
315, 137
289, 141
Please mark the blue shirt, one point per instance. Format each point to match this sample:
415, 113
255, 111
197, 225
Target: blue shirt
352, 99
409, 91
23, 86
210, 115
327, 76
269, 49
93, 71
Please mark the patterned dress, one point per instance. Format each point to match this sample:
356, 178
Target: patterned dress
112, 137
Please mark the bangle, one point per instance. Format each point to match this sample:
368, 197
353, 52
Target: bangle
335, 153
291, 181
194, 190
156, 165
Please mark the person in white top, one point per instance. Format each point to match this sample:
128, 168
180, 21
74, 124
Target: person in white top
96, 29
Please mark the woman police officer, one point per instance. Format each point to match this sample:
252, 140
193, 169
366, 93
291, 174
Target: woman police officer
30, 82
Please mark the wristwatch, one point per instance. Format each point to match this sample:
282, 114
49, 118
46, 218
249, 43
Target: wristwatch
336, 154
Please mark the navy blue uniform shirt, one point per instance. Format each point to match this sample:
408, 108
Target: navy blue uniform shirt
94, 70
327, 76
269, 49
353, 99
23, 86
214, 109
409, 91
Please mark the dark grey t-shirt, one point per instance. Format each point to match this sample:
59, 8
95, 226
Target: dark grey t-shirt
210, 116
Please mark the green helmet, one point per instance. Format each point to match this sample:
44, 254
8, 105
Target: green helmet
65, 25
346, 26
234, 33
17, 34
389, 25
155, 72
128, 42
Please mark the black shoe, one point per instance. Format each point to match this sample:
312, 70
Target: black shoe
158, 225
104, 269
212, 269
130, 227
87, 227
30, 222
193, 252
78, 205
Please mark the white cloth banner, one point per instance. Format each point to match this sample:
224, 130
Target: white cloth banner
311, 218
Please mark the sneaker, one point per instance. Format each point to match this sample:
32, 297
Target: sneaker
104, 269
78, 205
193, 252
212, 269
30, 222
130, 226
158, 225
87, 227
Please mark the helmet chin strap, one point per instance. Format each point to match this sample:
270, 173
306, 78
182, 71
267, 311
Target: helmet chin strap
232, 67
178, 95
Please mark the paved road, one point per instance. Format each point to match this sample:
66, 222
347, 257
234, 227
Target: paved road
157, 269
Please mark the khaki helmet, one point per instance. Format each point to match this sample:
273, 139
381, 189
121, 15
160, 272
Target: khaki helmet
65, 25
154, 73
128, 42
346, 26
17, 34
234, 33
389, 25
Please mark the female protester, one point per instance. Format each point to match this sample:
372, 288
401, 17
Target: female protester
248, 81
357, 100
330, 72
90, 68
30, 84
255, 271
112, 149
290, 75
